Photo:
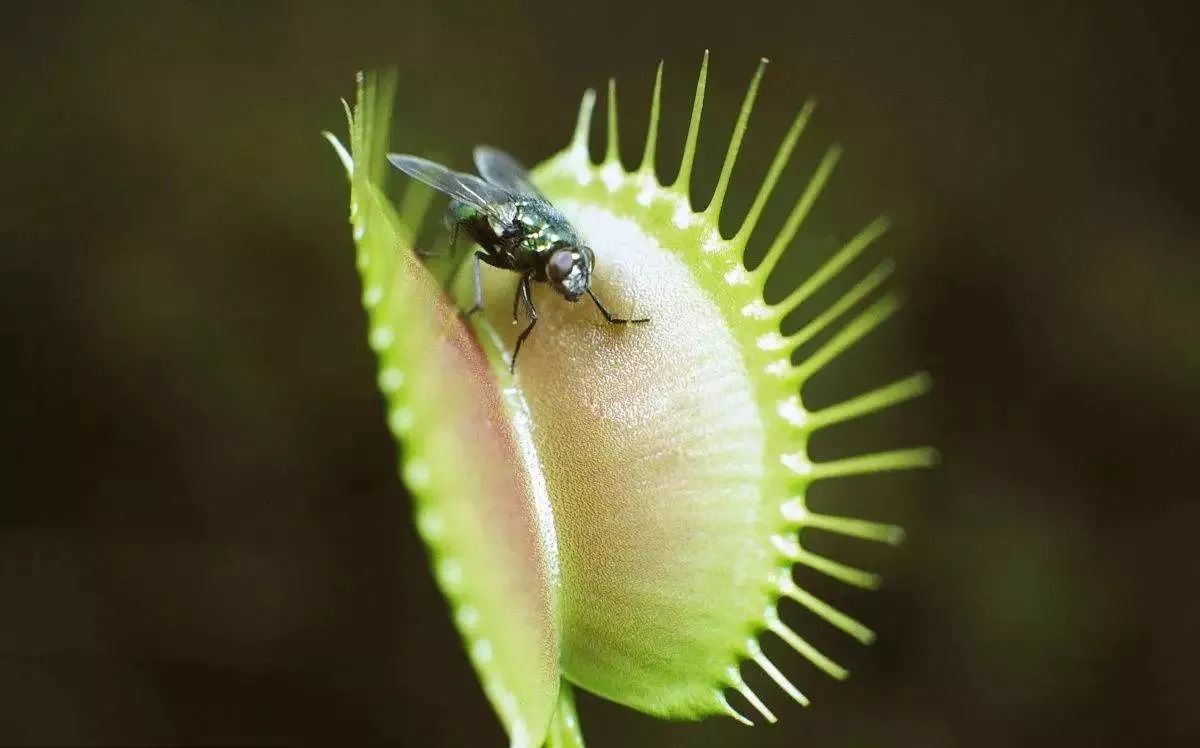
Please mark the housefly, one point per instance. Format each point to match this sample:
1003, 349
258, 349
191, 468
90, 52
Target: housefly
516, 229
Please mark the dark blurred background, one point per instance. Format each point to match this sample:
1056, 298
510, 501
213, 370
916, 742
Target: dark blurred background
202, 536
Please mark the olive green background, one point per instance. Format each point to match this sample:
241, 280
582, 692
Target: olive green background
202, 537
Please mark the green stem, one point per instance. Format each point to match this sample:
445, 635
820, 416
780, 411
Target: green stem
564, 727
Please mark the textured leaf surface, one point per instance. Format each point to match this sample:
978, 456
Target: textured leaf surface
467, 457
676, 451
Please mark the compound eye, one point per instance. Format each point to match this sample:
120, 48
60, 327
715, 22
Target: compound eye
560, 264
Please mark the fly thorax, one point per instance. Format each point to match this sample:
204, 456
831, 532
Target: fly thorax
459, 212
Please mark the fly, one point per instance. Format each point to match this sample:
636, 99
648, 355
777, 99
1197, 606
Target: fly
516, 229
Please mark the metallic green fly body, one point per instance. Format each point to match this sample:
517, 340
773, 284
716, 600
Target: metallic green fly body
516, 229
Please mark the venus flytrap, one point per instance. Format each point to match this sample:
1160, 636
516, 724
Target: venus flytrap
624, 513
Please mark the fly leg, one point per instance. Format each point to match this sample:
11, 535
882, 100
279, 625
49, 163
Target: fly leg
517, 298
480, 256
450, 253
608, 315
524, 295
478, 286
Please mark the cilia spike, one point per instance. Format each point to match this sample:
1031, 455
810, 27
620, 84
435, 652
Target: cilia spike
735, 143
800, 211
684, 177
777, 166
666, 465
648, 153
612, 154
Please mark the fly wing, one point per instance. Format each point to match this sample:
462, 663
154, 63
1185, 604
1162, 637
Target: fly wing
501, 169
466, 188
